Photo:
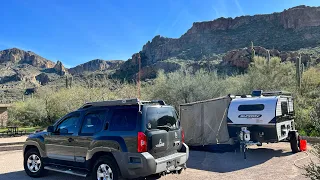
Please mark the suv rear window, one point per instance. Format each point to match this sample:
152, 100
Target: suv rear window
162, 118
251, 107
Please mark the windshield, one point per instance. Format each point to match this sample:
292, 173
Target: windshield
162, 118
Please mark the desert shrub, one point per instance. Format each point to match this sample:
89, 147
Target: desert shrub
48, 104
307, 103
184, 87
310, 82
313, 169
315, 118
31, 112
269, 76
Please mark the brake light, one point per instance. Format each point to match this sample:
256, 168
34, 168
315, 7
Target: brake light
142, 142
182, 135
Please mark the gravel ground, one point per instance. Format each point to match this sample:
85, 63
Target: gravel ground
273, 161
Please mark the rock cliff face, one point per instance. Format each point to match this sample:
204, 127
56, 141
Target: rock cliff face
60, 69
95, 65
43, 78
15, 55
290, 30
293, 18
241, 58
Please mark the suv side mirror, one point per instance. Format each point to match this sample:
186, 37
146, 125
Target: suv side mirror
63, 131
50, 129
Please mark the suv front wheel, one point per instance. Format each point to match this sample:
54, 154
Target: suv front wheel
105, 168
33, 164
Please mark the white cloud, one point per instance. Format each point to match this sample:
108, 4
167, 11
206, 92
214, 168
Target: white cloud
239, 7
220, 9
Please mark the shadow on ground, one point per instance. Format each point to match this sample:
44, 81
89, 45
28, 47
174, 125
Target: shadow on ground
21, 175
231, 161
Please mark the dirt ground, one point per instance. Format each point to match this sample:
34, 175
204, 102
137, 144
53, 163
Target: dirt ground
13, 139
271, 161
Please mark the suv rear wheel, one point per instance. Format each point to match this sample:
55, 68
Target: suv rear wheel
105, 168
33, 164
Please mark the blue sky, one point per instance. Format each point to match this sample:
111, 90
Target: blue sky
76, 31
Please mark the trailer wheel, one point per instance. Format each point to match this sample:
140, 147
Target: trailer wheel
294, 141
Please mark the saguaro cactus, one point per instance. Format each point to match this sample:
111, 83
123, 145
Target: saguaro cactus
67, 82
299, 71
308, 64
268, 56
252, 51
71, 79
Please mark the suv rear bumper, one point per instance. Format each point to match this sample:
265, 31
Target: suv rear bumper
134, 165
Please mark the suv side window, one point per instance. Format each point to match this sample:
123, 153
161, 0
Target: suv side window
70, 124
93, 122
124, 119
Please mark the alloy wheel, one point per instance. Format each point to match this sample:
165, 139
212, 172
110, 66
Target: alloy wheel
34, 163
104, 172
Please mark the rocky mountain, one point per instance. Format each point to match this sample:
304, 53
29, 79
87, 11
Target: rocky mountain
290, 30
95, 65
21, 70
18, 56
60, 69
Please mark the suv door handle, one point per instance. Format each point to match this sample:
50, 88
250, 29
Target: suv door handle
70, 139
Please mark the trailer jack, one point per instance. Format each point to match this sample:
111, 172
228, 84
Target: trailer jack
245, 141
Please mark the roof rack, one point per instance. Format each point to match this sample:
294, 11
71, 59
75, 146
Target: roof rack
122, 102
276, 93
239, 96
160, 102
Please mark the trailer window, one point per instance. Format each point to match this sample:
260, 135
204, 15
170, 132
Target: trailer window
284, 108
251, 107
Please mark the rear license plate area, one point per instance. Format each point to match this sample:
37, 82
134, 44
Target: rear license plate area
171, 163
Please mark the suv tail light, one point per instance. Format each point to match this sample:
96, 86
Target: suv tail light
182, 135
142, 142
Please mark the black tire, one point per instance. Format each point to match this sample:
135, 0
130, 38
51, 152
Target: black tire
41, 172
294, 142
108, 161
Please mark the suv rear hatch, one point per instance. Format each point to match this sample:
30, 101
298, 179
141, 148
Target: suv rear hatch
162, 130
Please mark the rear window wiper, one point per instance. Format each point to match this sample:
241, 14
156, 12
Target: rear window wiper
166, 127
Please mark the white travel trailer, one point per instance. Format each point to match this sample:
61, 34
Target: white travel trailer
263, 117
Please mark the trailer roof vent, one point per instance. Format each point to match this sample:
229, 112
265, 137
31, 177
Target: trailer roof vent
243, 96
256, 93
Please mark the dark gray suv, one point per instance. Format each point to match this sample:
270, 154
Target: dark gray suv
110, 139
